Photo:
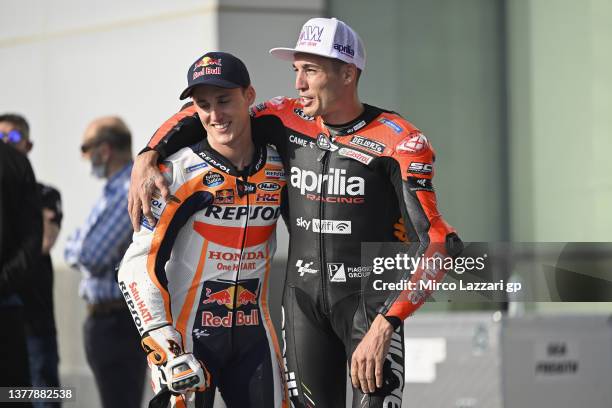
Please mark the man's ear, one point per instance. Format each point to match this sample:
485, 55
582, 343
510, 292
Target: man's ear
29, 146
250, 94
349, 73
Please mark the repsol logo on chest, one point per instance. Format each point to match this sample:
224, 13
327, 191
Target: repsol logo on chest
336, 181
237, 213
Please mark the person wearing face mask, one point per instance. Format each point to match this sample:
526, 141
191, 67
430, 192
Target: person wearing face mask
95, 249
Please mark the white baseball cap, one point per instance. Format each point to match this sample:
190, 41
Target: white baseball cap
328, 37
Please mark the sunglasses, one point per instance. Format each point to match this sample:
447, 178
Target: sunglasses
85, 147
14, 136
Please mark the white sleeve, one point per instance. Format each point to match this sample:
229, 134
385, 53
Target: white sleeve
144, 291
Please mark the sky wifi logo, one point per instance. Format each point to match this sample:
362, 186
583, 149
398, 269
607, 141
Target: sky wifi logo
331, 226
325, 226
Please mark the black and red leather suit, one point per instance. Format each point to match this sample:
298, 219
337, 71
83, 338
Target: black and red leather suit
346, 185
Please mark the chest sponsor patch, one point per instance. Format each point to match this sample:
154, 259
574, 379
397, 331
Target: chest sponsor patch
412, 144
324, 143
212, 179
396, 128
224, 196
336, 272
368, 144
268, 186
244, 187
267, 198
195, 167
354, 154
331, 226
325, 226
275, 174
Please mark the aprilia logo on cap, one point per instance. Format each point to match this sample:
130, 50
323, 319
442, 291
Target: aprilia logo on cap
345, 49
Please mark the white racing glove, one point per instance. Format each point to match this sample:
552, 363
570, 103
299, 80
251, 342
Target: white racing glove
182, 371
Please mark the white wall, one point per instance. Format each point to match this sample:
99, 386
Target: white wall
66, 62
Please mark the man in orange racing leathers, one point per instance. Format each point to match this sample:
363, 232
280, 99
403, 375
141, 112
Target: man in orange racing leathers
196, 281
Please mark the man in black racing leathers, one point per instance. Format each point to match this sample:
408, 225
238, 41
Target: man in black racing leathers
353, 170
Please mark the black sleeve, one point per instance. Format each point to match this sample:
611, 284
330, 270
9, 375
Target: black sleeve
21, 225
186, 133
269, 129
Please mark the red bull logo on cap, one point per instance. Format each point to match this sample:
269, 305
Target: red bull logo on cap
206, 61
204, 67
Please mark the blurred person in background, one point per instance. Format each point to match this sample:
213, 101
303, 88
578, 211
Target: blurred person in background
20, 243
38, 296
111, 343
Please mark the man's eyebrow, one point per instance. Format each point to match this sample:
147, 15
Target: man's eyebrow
307, 65
203, 100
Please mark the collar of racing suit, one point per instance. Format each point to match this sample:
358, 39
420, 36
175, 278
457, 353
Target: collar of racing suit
368, 115
210, 155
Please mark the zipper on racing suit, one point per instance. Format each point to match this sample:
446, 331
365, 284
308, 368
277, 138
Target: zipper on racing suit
324, 159
246, 224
